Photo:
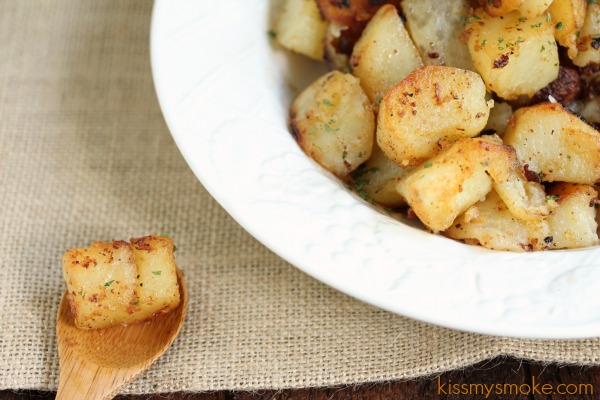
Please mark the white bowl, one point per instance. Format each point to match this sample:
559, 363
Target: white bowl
225, 91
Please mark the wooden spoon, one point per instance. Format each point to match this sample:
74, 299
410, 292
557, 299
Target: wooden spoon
95, 364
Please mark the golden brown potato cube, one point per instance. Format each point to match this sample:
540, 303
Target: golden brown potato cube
588, 43
436, 28
101, 284
157, 286
555, 143
533, 8
568, 17
429, 110
514, 55
384, 54
443, 188
450, 183
301, 28
573, 223
333, 122
491, 224
121, 283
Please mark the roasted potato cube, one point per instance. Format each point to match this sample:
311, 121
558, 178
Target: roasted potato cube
450, 183
588, 43
514, 55
377, 179
568, 17
384, 54
301, 28
429, 110
443, 188
333, 122
436, 27
533, 8
555, 143
117, 283
573, 223
157, 287
491, 224
101, 284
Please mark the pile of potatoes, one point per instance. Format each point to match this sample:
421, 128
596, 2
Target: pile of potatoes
447, 109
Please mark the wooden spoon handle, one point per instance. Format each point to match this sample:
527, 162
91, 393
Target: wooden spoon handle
85, 381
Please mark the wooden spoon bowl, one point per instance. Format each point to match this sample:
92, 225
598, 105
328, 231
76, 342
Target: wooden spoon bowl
95, 364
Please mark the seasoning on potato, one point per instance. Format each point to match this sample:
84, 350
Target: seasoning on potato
119, 282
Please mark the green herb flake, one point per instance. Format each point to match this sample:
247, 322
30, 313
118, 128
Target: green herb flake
272, 34
542, 49
154, 386
327, 103
559, 26
519, 40
109, 283
136, 303
80, 292
360, 155
313, 130
536, 25
463, 20
427, 164
592, 1
156, 272
344, 154
484, 42
174, 248
378, 100
329, 128
522, 19
548, 17
554, 197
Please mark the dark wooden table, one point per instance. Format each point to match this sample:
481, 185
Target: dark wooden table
504, 378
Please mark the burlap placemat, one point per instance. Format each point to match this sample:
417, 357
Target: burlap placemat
85, 155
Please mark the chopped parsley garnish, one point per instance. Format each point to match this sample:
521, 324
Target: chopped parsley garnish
554, 197
548, 17
329, 128
536, 25
542, 49
592, 1
109, 283
522, 19
327, 103
272, 34
427, 164
559, 26
156, 272
484, 42
378, 100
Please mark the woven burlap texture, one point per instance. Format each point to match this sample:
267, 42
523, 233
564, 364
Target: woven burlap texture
85, 155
